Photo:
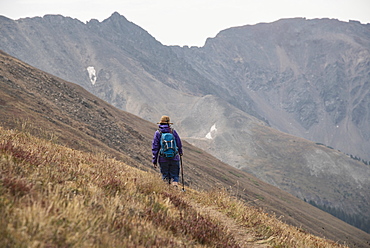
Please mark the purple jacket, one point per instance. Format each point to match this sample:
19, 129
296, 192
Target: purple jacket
156, 144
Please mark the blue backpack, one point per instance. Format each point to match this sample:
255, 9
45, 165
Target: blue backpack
168, 145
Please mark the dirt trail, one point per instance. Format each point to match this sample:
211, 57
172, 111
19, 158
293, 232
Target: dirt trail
242, 235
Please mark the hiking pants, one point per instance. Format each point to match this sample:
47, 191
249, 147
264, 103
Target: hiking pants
170, 170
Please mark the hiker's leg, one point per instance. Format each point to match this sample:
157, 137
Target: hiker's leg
165, 170
175, 170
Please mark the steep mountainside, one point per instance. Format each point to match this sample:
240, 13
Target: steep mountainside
288, 74
67, 114
309, 78
116, 60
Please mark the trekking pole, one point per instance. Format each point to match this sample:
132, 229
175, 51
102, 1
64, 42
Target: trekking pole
182, 174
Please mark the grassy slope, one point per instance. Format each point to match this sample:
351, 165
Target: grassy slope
54, 196
57, 110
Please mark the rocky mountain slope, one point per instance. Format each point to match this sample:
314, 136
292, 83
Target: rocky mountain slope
309, 78
224, 95
66, 114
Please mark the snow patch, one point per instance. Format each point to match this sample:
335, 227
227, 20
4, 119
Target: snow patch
92, 74
211, 133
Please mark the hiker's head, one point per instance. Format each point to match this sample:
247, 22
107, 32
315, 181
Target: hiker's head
165, 120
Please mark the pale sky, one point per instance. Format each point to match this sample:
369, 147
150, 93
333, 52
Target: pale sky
190, 22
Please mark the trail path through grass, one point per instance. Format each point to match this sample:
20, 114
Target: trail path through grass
243, 236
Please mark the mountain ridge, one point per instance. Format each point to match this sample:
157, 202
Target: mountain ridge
134, 72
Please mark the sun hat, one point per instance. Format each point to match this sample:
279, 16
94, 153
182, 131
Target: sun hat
165, 120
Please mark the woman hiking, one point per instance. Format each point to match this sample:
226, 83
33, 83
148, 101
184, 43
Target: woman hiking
166, 150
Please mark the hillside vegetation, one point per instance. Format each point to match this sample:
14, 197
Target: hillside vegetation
52, 109
54, 196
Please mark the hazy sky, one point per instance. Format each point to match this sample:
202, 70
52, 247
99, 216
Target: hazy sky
190, 22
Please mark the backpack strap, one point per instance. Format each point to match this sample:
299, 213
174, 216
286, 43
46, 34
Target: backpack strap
171, 130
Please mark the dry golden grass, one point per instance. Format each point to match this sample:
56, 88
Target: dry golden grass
262, 226
54, 196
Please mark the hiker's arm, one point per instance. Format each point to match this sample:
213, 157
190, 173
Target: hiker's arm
178, 142
155, 147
